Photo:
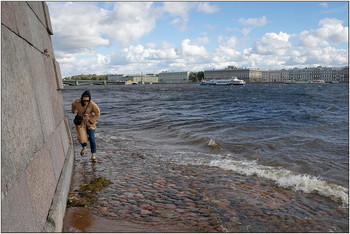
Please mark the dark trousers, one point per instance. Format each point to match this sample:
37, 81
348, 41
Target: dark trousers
91, 135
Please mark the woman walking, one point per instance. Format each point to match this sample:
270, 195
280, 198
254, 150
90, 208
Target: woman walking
90, 113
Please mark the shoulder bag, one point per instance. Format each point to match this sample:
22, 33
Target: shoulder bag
79, 119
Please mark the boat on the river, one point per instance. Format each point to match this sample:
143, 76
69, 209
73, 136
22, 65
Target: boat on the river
232, 81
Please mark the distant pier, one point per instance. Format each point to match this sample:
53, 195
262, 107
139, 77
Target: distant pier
84, 82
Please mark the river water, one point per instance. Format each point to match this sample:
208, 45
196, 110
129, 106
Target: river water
294, 137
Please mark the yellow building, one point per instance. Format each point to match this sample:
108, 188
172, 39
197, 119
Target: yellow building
147, 79
174, 77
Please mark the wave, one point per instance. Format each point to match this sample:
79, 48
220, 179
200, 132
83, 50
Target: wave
282, 177
286, 179
101, 136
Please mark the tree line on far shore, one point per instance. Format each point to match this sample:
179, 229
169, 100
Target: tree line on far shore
87, 77
194, 77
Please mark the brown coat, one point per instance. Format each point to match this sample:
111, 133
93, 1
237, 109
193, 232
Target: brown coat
92, 114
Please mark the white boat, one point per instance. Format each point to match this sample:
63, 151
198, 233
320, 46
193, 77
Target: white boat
232, 81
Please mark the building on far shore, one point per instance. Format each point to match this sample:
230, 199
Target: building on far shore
328, 74
246, 74
275, 76
134, 79
174, 77
146, 79
116, 78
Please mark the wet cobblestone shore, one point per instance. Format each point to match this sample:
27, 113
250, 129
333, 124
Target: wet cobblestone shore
149, 195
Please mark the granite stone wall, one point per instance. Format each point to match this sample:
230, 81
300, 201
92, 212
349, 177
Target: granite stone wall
36, 144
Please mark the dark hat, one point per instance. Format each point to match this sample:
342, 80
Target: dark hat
85, 94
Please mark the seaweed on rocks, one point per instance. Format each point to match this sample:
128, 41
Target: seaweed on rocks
96, 184
87, 194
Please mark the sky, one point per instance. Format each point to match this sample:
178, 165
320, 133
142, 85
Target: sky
151, 37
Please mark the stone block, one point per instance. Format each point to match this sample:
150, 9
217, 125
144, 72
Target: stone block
58, 106
8, 16
51, 75
48, 20
47, 44
56, 97
21, 125
21, 15
57, 211
35, 26
58, 75
39, 83
16, 209
41, 183
68, 129
56, 152
38, 9
65, 136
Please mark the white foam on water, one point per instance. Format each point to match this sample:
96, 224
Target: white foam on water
214, 144
104, 137
108, 138
286, 179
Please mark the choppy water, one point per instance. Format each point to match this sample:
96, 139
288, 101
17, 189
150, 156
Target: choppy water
293, 135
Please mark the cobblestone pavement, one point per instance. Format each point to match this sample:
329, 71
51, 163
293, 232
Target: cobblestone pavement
153, 195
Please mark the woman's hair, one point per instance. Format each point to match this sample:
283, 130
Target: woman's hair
85, 94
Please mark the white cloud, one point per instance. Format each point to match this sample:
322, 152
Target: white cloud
311, 40
178, 10
74, 29
245, 31
330, 31
148, 58
318, 57
324, 4
327, 55
81, 25
129, 21
203, 40
207, 8
273, 44
250, 59
296, 58
257, 22
228, 42
333, 30
152, 57
251, 23
89, 64
226, 52
190, 49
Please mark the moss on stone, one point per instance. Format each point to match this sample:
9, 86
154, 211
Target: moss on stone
96, 184
87, 196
